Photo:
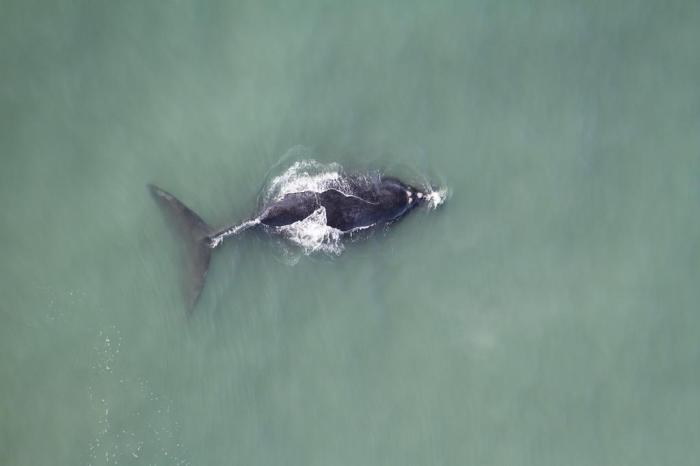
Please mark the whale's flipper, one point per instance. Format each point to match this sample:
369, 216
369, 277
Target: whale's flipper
194, 232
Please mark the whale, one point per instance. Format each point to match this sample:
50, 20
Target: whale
361, 206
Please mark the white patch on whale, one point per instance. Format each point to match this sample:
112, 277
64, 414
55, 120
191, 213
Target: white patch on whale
313, 234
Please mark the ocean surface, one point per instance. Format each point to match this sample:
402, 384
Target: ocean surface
545, 314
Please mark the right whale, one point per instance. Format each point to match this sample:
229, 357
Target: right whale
365, 205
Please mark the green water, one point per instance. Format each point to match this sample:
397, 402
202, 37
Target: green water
547, 314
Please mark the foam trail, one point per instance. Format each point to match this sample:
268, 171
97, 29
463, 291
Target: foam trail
306, 175
217, 238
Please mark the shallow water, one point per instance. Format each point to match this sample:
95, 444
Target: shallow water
545, 315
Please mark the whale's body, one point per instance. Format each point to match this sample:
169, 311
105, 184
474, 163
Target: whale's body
365, 206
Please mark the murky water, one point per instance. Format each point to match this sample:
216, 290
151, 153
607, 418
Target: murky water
546, 314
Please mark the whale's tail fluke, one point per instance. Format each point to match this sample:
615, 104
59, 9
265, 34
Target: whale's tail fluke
195, 233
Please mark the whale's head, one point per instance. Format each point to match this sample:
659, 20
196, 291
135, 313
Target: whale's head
419, 196
414, 197
405, 197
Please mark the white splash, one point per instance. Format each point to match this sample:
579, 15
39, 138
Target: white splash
313, 234
435, 199
306, 175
